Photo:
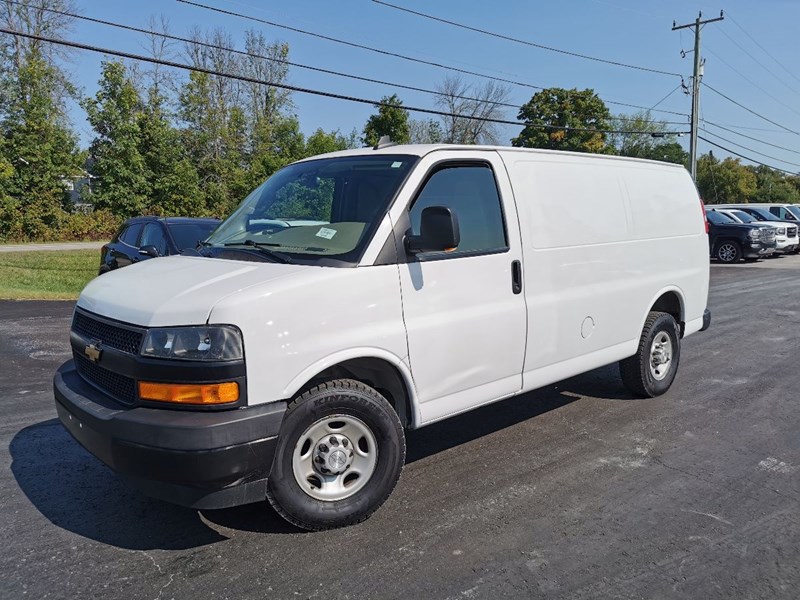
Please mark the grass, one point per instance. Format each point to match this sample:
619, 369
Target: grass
45, 275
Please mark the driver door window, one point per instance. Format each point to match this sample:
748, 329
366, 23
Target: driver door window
470, 191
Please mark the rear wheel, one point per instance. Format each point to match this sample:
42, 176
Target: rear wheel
340, 453
651, 371
728, 251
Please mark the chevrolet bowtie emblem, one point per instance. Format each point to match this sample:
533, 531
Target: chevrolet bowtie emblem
93, 351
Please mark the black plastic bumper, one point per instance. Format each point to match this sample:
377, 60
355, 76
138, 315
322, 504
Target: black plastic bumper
197, 459
706, 320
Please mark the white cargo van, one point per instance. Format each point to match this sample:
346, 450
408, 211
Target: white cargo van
356, 294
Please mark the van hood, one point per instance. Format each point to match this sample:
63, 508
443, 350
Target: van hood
176, 290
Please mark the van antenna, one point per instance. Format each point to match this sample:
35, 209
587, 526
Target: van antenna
384, 142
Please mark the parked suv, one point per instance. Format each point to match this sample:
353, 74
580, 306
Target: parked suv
141, 238
767, 213
785, 235
730, 241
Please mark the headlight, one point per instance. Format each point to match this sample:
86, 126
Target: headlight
754, 233
781, 231
213, 342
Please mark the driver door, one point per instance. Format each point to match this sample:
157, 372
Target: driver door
464, 310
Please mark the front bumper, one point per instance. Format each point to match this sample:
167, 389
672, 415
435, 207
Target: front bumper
200, 459
756, 249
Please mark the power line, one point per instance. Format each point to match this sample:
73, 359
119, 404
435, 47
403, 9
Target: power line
707, 141
253, 55
716, 135
524, 42
750, 137
677, 87
302, 90
290, 63
395, 54
750, 110
755, 60
766, 129
751, 82
780, 64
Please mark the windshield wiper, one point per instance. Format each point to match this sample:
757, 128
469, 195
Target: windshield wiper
264, 249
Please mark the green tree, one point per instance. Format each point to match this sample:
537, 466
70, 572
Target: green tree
671, 152
122, 185
40, 153
391, 119
322, 142
275, 145
727, 181
175, 188
653, 143
773, 186
552, 116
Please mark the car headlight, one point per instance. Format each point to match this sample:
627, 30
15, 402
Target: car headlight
781, 231
212, 342
754, 233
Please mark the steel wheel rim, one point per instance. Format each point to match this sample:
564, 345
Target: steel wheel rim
661, 356
726, 252
346, 466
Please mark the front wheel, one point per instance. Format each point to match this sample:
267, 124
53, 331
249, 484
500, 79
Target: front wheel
340, 453
651, 371
729, 252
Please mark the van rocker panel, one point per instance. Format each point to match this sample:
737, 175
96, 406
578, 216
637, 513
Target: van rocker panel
199, 459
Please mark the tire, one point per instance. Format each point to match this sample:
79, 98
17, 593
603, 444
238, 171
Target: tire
316, 496
728, 252
640, 373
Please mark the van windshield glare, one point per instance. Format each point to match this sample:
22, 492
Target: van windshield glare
320, 209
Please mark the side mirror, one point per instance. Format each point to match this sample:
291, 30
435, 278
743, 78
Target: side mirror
149, 251
438, 231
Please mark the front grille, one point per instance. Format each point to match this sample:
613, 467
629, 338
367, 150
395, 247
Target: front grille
126, 340
768, 235
791, 231
115, 385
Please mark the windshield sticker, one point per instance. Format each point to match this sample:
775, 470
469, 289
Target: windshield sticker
397, 164
326, 233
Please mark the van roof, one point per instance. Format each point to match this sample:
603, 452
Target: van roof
425, 149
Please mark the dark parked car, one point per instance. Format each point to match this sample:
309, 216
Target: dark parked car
141, 238
731, 241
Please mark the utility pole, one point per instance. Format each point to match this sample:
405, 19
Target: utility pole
698, 74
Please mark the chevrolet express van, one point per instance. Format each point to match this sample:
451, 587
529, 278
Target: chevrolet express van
358, 293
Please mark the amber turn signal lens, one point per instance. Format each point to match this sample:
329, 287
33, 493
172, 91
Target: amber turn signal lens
205, 393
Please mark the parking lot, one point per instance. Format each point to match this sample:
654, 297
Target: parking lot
573, 491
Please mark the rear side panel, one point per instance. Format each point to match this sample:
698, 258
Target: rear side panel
603, 238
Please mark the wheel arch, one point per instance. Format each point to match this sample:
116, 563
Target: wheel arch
381, 370
671, 301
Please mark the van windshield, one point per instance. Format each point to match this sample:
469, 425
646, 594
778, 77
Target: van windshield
322, 211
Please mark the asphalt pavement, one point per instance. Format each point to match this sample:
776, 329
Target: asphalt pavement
573, 491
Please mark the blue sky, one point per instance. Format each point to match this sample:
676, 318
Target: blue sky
630, 31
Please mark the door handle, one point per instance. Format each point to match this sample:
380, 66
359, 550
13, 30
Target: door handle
516, 277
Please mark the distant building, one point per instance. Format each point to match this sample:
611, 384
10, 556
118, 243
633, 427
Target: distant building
79, 187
